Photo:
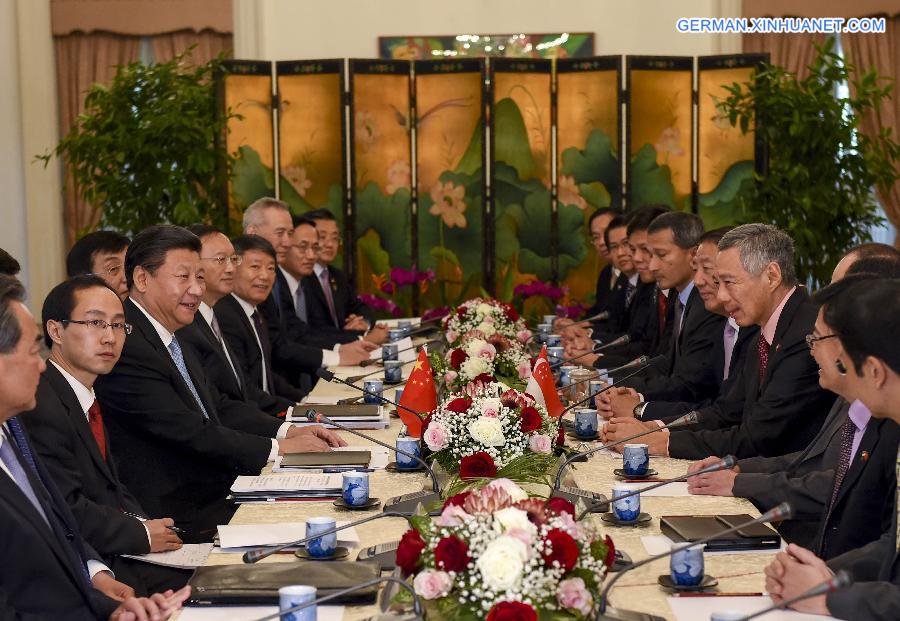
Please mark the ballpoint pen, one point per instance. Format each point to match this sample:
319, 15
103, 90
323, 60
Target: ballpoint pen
174, 529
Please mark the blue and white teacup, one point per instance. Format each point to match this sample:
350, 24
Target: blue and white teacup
549, 319
324, 546
586, 423
686, 566
389, 352
555, 354
375, 386
290, 596
408, 445
565, 374
554, 340
595, 387
405, 325
355, 488
544, 330
627, 509
393, 371
636, 459
395, 334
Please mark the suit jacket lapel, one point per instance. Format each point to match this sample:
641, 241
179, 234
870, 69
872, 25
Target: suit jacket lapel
784, 323
867, 445
210, 336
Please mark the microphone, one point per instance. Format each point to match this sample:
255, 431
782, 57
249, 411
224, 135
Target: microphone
840, 580
572, 493
726, 463
417, 602
328, 376
622, 340
350, 400
645, 364
371, 361
253, 556
781, 512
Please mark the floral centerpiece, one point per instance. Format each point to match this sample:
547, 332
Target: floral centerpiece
484, 337
497, 553
491, 430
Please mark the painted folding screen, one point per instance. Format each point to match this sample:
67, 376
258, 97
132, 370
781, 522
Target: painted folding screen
659, 130
727, 157
380, 170
246, 90
450, 178
588, 165
311, 136
521, 158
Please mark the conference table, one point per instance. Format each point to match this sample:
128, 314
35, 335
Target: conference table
638, 590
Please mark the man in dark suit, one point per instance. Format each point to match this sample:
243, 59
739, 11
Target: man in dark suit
872, 364
51, 572
84, 327
332, 303
609, 275
776, 406
296, 350
243, 326
174, 449
205, 335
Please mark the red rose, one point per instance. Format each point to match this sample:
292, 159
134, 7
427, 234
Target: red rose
409, 552
508, 398
511, 313
524, 399
451, 554
457, 357
461, 311
561, 505
561, 436
563, 550
457, 500
460, 405
477, 466
531, 420
512, 611
610, 552
484, 378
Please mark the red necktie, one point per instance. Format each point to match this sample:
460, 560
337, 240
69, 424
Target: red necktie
763, 357
95, 420
661, 302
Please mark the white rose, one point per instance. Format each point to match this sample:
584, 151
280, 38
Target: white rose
510, 517
486, 329
474, 367
483, 309
474, 346
488, 431
502, 562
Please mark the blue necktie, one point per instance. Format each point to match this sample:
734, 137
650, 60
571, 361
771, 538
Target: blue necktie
178, 357
20, 477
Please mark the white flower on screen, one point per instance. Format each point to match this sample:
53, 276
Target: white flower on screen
502, 562
487, 431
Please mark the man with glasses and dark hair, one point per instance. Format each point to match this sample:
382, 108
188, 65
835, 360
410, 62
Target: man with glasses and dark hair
333, 303
176, 436
85, 330
101, 253
50, 573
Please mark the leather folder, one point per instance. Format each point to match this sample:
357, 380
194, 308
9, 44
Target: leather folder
327, 458
222, 585
685, 528
349, 410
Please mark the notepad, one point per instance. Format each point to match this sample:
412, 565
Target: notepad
188, 556
323, 459
300, 483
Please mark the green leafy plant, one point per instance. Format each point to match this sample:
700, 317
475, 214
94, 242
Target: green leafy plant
148, 147
821, 169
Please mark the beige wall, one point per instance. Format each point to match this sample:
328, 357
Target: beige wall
292, 29
31, 216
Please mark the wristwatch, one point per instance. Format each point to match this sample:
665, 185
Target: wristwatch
638, 410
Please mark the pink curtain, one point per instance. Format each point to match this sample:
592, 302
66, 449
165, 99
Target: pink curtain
794, 52
209, 44
882, 53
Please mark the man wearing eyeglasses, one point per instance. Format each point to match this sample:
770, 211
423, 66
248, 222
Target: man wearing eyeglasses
101, 253
85, 329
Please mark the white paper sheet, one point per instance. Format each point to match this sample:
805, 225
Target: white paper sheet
254, 535
249, 613
672, 490
188, 556
700, 608
657, 544
286, 483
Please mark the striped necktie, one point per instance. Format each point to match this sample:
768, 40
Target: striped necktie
178, 358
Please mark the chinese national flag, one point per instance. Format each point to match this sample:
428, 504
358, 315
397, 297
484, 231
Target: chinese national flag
542, 386
420, 395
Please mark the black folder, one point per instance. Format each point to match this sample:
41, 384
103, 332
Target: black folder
686, 528
322, 459
350, 410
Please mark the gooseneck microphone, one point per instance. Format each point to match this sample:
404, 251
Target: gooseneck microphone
417, 602
726, 463
645, 364
316, 417
328, 376
371, 361
840, 580
622, 340
253, 556
781, 512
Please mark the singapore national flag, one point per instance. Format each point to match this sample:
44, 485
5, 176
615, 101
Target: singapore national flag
542, 386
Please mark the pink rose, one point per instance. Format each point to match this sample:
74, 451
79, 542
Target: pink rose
566, 522
523, 335
450, 376
524, 369
452, 515
452, 335
436, 436
488, 352
522, 534
489, 319
539, 443
573, 595
489, 412
433, 584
